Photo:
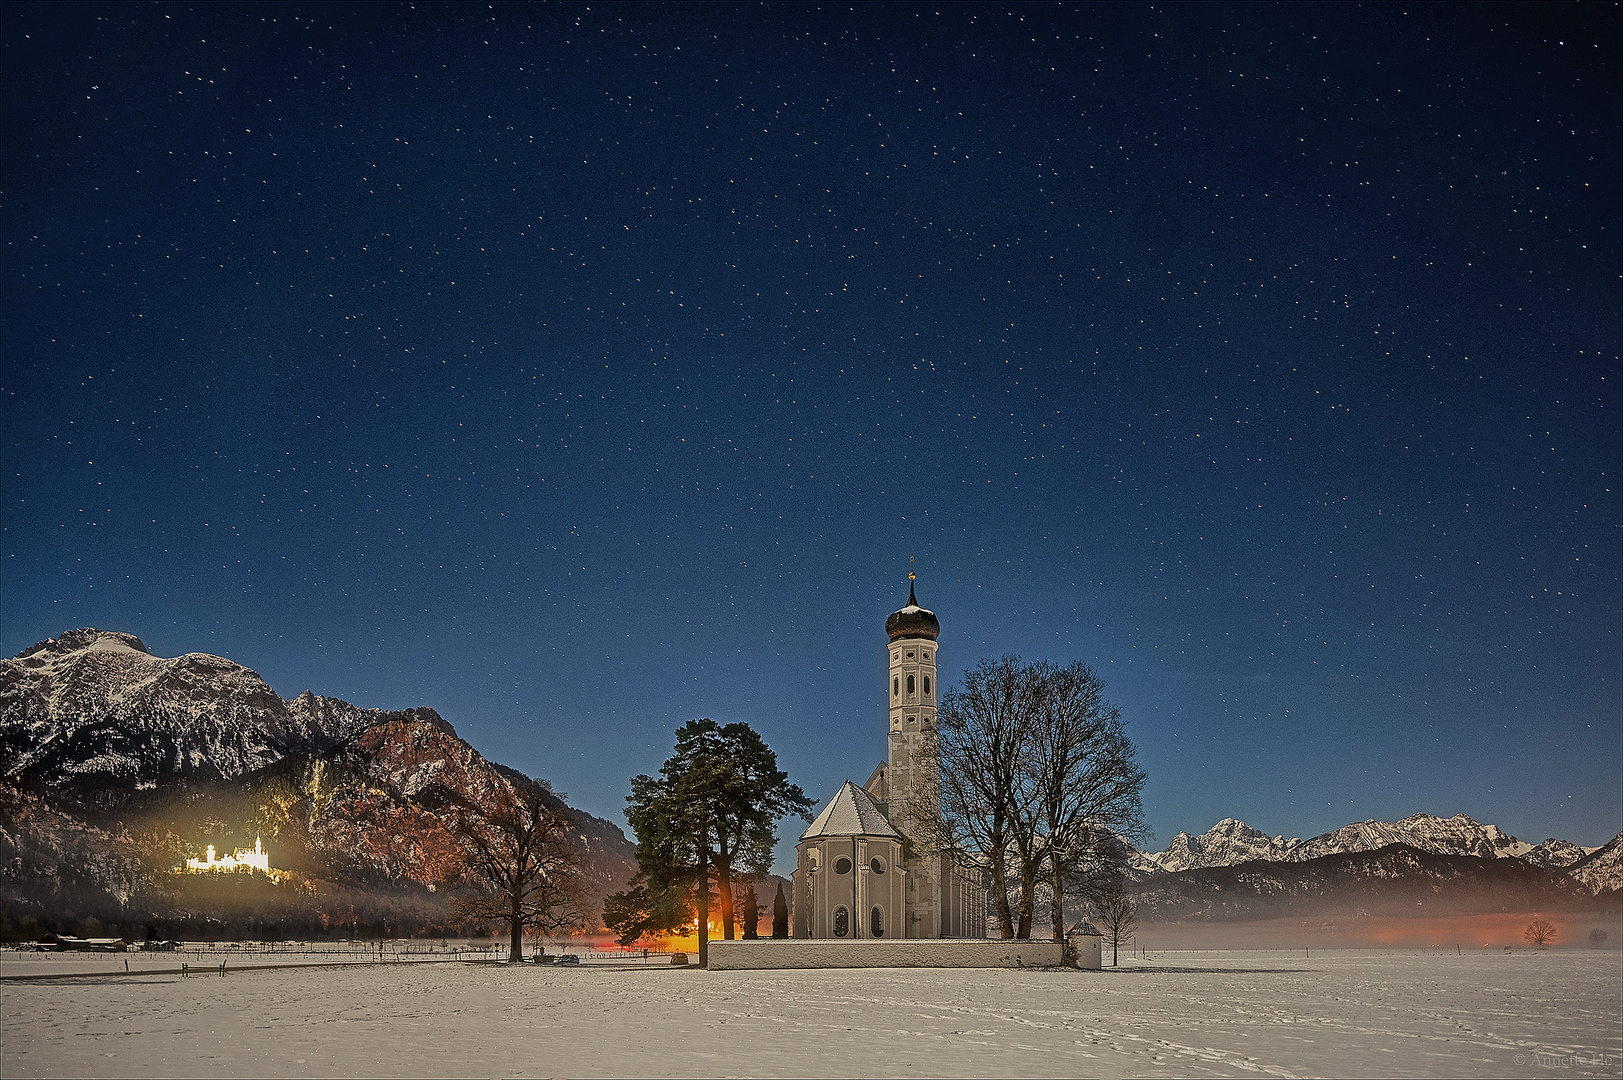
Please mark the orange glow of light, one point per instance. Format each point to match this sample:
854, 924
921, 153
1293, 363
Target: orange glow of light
1493, 930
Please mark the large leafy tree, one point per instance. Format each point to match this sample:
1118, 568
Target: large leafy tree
519, 865
712, 812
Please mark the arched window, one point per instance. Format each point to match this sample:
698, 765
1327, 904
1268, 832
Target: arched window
910, 686
842, 865
927, 686
842, 922
895, 687
876, 923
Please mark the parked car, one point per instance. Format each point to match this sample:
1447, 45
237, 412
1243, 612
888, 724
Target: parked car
568, 960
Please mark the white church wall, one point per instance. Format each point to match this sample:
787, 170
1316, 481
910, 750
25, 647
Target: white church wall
891, 952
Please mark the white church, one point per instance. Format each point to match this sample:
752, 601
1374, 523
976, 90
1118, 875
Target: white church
859, 869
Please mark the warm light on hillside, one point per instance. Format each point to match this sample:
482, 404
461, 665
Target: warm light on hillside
241, 859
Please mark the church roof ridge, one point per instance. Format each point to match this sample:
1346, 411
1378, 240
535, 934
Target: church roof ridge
852, 812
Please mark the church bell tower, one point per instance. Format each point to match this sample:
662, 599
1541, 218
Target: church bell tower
911, 691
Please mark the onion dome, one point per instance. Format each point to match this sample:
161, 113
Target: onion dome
912, 621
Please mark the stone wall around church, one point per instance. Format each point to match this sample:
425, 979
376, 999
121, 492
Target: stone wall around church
912, 952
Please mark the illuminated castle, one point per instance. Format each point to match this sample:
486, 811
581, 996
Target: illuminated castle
241, 859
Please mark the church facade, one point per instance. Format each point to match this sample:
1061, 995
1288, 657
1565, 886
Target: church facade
859, 869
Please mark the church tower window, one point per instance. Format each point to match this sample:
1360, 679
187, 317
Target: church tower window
895, 687
910, 686
842, 922
842, 865
927, 686
876, 923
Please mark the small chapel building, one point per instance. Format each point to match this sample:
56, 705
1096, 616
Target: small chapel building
859, 869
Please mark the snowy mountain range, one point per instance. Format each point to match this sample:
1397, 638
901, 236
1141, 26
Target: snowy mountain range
93, 712
1231, 842
116, 765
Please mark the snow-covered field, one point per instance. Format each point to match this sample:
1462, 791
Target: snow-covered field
1557, 1013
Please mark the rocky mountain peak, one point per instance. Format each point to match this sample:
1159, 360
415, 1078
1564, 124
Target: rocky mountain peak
81, 640
1225, 843
1601, 869
93, 711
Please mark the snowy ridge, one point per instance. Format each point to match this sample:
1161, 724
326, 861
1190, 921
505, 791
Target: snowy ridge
1228, 842
1458, 835
93, 710
1555, 854
1231, 842
1602, 868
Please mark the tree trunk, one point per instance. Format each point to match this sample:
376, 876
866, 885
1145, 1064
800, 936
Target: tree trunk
515, 923
1028, 895
1000, 890
1056, 904
724, 882
704, 893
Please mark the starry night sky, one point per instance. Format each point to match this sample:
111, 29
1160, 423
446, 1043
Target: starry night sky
580, 370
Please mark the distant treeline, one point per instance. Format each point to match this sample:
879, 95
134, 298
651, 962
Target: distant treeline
229, 907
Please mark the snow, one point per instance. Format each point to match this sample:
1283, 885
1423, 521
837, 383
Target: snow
113, 644
1487, 1013
1232, 841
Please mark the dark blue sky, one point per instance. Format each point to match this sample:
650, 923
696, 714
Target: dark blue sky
580, 370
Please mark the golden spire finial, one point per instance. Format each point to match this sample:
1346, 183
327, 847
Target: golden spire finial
910, 575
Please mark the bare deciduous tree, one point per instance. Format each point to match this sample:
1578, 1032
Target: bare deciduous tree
1597, 938
1117, 914
1086, 783
1539, 933
519, 866
1036, 770
982, 731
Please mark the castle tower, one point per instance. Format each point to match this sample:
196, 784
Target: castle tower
911, 691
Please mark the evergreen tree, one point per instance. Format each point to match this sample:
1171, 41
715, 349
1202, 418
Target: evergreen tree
714, 808
752, 913
780, 914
